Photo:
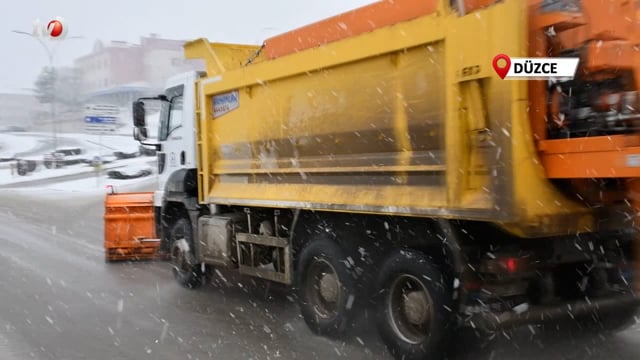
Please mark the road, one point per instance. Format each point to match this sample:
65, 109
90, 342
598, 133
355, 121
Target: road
61, 301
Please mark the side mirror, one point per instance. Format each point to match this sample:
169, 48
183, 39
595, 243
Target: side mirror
139, 116
140, 133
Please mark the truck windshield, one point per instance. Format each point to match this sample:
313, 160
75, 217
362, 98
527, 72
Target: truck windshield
171, 112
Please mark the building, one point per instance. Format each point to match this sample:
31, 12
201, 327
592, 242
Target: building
118, 72
109, 66
163, 58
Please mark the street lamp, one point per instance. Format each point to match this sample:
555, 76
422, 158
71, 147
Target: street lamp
50, 55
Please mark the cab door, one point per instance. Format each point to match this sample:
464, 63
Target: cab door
171, 156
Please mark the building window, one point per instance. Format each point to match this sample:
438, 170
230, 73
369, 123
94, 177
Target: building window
106, 82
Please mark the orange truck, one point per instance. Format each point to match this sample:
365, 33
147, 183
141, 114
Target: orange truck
375, 158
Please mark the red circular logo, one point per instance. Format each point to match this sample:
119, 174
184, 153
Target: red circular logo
55, 28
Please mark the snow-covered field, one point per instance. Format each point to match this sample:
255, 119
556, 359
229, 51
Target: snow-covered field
86, 187
79, 179
11, 144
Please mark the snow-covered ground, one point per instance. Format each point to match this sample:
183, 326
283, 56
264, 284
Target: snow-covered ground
73, 180
41, 173
11, 144
90, 143
87, 187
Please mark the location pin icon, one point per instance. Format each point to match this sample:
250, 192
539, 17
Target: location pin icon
502, 71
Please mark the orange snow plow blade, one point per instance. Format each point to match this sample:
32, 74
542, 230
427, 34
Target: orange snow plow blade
129, 227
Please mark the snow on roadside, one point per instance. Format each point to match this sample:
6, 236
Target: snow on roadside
88, 187
6, 178
10, 145
135, 168
108, 143
76, 180
91, 143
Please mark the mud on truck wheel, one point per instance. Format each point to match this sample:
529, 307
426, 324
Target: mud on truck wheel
414, 306
326, 289
186, 270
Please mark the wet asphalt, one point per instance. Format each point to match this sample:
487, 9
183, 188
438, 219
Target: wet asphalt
60, 300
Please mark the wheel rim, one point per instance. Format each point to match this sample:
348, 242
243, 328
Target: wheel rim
323, 289
180, 256
410, 309
180, 252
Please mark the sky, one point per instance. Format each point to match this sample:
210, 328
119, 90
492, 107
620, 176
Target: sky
236, 21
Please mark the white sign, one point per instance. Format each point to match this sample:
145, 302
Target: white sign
100, 110
549, 68
225, 103
101, 118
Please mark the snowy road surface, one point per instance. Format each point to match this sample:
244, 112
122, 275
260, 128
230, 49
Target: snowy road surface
61, 301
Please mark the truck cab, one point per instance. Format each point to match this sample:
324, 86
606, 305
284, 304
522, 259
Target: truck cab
175, 145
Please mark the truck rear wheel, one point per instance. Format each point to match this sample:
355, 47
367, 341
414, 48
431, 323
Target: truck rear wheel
326, 291
186, 270
414, 308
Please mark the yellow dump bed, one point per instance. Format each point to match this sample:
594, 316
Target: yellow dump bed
405, 119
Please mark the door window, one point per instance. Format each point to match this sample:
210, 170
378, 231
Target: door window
171, 113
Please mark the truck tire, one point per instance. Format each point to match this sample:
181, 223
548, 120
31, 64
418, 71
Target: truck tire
414, 307
326, 290
186, 270
21, 170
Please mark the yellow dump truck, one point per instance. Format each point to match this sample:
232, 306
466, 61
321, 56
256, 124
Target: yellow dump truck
376, 159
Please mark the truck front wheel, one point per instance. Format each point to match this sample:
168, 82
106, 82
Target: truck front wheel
186, 270
414, 308
326, 291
